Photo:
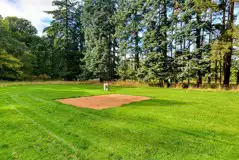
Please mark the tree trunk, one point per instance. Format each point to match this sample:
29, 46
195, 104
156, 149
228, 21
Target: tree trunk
227, 69
220, 72
114, 58
165, 24
216, 72
136, 51
136, 41
165, 35
66, 54
210, 40
109, 58
237, 77
198, 45
228, 56
182, 40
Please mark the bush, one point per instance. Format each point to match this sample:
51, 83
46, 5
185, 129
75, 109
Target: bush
44, 77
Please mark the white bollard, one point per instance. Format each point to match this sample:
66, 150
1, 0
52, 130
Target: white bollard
106, 86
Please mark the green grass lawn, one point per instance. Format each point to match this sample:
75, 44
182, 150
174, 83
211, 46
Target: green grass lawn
175, 124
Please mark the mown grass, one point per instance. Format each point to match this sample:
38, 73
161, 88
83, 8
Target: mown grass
174, 124
128, 83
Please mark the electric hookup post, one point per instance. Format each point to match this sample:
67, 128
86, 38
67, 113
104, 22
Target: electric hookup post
106, 86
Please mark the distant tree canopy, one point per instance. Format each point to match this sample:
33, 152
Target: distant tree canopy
158, 41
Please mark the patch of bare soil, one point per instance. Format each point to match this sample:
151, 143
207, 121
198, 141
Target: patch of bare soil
102, 101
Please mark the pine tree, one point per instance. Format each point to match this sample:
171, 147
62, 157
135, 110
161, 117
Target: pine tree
129, 32
155, 40
228, 55
67, 33
191, 49
100, 44
236, 36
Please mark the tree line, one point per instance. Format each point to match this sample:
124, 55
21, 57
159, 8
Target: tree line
159, 41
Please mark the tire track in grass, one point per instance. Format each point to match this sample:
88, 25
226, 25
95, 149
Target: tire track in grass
28, 103
16, 98
43, 128
45, 101
49, 102
141, 122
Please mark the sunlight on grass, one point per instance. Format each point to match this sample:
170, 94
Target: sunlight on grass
174, 124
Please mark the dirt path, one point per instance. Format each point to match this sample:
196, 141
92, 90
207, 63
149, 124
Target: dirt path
103, 101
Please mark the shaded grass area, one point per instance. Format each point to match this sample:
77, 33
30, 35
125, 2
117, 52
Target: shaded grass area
174, 124
129, 83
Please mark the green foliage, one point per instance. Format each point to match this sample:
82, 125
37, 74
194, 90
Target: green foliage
154, 68
126, 70
100, 44
219, 48
148, 40
10, 67
28, 61
17, 38
173, 124
66, 34
20, 26
129, 18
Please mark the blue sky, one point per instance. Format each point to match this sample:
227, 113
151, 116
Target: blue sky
33, 11
237, 13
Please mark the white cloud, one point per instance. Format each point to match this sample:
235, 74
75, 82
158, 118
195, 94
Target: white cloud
237, 13
32, 10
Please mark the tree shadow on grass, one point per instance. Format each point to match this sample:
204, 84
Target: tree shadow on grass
147, 105
104, 125
159, 103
